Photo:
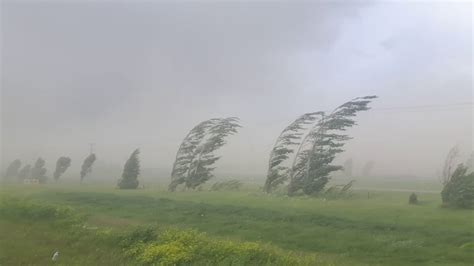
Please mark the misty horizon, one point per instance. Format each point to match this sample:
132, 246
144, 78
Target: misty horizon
141, 75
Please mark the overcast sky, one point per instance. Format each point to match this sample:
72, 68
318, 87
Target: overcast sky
130, 74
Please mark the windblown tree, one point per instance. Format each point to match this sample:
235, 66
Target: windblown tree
24, 173
312, 166
12, 169
186, 152
458, 191
131, 170
285, 145
449, 164
62, 164
86, 167
38, 171
195, 157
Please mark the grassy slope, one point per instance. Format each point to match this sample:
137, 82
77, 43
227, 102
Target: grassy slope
381, 230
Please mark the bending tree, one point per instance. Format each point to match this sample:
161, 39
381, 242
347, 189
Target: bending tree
62, 165
39, 171
12, 169
458, 191
186, 152
86, 167
24, 173
131, 170
284, 146
449, 164
311, 165
195, 156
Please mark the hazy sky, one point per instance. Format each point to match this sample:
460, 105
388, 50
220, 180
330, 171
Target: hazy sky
141, 74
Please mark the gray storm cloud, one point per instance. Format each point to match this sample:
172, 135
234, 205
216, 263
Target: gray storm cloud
141, 74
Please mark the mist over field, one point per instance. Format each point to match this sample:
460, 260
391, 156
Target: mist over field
140, 75
272, 133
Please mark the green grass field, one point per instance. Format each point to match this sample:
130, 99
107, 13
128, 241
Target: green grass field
381, 230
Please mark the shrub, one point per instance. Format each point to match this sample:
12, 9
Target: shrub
413, 199
459, 189
185, 247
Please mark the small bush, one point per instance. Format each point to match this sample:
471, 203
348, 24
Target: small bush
413, 199
459, 189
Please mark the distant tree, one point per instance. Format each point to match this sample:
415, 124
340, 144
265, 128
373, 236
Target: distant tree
12, 169
39, 171
458, 190
131, 170
86, 167
449, 164
24, 173
367, 169
312, 163
62, 165
348, 165
413, 199
285, 145
195, 157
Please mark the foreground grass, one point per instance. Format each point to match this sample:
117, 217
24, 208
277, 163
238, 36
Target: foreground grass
382, 229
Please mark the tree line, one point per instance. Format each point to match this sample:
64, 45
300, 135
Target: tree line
301, 160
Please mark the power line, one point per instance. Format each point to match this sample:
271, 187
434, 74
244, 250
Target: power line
462, 104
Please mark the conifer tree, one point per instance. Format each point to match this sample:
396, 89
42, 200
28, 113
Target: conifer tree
131, 171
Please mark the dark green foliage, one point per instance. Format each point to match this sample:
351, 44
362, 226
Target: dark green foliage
226, 185
195, 157
62, 165
131, 170
201, 166
24, 173
39, 171
312, 164
12, 169
413, 199
459, 189
142, 234
284, 146
186, 152
86, 167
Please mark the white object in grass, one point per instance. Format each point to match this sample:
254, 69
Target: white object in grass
55, 256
